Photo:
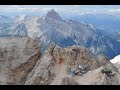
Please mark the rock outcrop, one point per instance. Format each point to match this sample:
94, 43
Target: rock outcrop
42, 73
21, 63
18, 56
74, 56
104, 79
56, 63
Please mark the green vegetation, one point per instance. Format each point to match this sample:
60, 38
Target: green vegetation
106, 70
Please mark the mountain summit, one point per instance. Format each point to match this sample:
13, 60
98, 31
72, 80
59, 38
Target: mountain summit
51, 28
53, 14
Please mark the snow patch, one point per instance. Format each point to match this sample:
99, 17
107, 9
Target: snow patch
92, 26
116, 59
22, 16
83, 22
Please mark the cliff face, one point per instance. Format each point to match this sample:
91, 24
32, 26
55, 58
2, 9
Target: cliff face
56, 64
17, 58
42, 73
21, 63
74, 56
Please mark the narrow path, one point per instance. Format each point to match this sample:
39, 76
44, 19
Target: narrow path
86, 79
60, 71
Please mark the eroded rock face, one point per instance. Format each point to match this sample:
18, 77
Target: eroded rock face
112, 79
74, 56
18, 56
102, 60
43, 73
56, 62
22, 64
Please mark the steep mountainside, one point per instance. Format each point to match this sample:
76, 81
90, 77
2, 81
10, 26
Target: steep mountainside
23, 64
116, 36
9, 27
52, 28
101, 21
63, 66
18, 56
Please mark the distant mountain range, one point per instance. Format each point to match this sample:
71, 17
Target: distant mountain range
52, 28
116, 36
109, 23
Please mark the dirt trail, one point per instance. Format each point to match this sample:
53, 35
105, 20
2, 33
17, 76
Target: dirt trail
60, 71
86, 79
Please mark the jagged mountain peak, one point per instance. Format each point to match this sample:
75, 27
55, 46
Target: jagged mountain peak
53, 14
20, 17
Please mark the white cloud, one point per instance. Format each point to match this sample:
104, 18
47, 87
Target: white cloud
46, 9
72, 9
76, 6
15, 6
114, 10
21, 8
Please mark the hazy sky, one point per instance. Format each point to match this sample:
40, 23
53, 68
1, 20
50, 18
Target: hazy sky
37, 9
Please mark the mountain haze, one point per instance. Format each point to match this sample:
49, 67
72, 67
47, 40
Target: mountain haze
52, 28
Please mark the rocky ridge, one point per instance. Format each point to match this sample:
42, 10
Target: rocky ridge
17, 58
21, 63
